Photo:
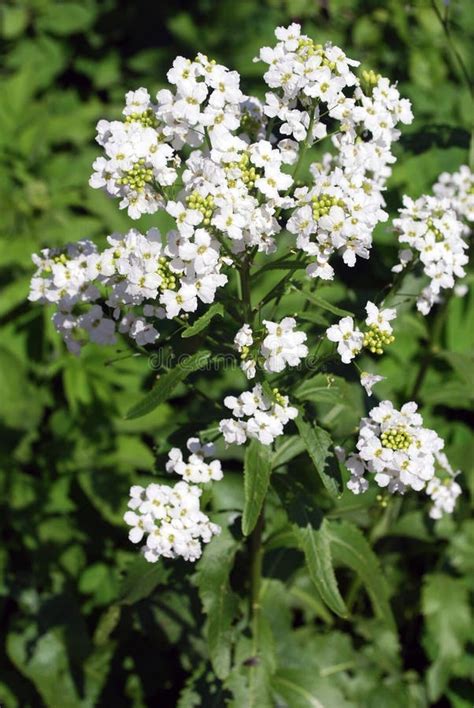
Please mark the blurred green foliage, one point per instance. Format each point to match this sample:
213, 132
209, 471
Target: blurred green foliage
77, 634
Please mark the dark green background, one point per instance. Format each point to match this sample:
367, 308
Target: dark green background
67, 456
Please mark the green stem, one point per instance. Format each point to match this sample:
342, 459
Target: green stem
256, 562
432, 349
244, 273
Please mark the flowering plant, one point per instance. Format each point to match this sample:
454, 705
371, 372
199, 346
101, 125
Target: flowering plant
293, 183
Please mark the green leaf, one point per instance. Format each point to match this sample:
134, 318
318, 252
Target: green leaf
463, 365
216, 310
257, 469
67, 18
300, 688
48, 662
315, 544
318, 442
141, 580
289, 447
325, 305
219, 602
13, 21
446, 607
349, 547
167, 383
320, 389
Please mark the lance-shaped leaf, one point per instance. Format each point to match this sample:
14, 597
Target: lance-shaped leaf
350, 548
257, 469
216, 310
310, 533
219, 602
318, 443
167, 383
315, 544
325, 305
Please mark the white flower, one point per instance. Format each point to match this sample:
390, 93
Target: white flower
349, 339
244, 337
379, 318
368, 381
182, 299
283, 346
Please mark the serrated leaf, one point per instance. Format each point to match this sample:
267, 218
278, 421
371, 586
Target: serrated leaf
216, 310
315, 544
309, 533
141, 580
167, 383
325, 305
219, 602
349, 547
318, 442
257, 469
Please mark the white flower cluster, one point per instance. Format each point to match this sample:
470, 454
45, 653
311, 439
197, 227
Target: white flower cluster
136, 270
338, 213
256, 416
443, 494
282, 346
195, 470
350, 340
402, 454
138, 163
170, 519
458, 187
434, 234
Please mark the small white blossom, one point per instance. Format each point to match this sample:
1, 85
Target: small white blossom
171, 521
265, 418
349, 339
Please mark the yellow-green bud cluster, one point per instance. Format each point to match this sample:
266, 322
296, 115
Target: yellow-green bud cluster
382, 500
147, 118
138, 176
279, 398
203, 204
396, 438
61, 258
307, 48
168, 279
323, 203
375, 339
369, 79
437, 233
248, 173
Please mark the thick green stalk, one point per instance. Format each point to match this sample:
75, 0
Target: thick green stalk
256, 561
